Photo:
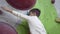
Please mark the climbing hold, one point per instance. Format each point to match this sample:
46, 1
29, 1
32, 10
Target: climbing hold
22, 4
6, 29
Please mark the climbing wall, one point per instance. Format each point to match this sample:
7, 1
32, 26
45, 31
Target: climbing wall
48, 16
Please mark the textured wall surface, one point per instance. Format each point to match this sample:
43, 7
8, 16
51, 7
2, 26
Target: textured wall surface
57, 6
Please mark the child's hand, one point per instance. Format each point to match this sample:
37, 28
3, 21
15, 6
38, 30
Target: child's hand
7, 9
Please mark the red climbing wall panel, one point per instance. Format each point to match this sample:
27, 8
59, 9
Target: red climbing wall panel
22, 4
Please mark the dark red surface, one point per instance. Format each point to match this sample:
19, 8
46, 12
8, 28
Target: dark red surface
22, 4
6, 29
1, 12
52, 1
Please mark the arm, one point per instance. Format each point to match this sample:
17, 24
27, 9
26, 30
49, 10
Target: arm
20, 15
15, 13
